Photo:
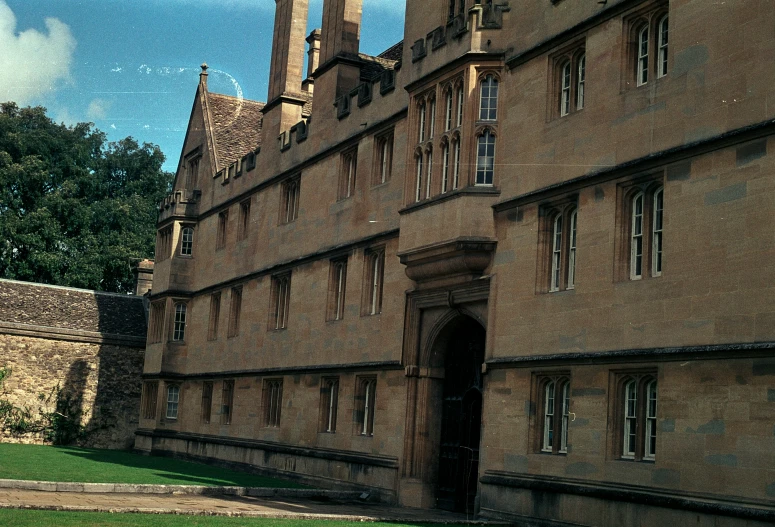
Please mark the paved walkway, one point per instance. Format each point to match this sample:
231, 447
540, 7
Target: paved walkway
292, 508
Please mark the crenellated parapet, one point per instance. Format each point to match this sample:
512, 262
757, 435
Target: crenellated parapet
180, 203
363, 94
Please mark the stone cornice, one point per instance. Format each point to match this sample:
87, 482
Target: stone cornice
285, 370
71, 335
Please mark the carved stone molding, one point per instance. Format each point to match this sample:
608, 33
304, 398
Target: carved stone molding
453, 261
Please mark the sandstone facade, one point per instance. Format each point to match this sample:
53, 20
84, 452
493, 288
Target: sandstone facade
541, 234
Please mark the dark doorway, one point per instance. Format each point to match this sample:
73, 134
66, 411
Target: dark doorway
461, 418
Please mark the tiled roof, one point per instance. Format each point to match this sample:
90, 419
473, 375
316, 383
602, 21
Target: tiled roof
73, 309
372, 67
236, 126
394, 52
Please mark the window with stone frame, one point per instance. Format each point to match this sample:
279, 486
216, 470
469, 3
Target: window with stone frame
207, 401
374, 275
235, 311
179, 322
383, 158
192, 169
173, 401
329, 404
150, 399
365, 404
337, 284
281, 299
243, 228
640, 228
634, 407
568, 79
289, 203
223, 226
647, 44
348, 165
163, 243
215, 315
156, 322
272, 402
552, 416
485, 157
488, 98
227, 402
557, 242
187, 241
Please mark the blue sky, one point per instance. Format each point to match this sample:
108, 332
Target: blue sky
131, 67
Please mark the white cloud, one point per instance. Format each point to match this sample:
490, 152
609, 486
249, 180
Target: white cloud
98, 109
32, 63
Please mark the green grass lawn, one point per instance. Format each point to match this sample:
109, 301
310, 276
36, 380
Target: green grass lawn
26, 518
69, 464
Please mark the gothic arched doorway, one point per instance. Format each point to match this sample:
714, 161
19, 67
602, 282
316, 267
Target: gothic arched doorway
462, 346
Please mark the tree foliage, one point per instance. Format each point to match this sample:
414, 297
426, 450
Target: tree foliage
75, 210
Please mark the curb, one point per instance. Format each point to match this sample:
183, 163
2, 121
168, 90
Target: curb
193, 490
253, 514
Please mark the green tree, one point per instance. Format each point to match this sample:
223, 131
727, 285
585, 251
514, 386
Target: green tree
75, 210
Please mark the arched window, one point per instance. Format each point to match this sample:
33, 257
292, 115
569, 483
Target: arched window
548, 442
418, 186
448, 111
456, 165
639, 417
636, 237
656, 237
460, 103
488, 99
421, 131
485, 160
186, 241
444, 168
429, 173
556, 253
662, 38
179, 328
556, 413
565, 73
642, 72
572, 250
630, 419
432, 124
651, 421
581, 76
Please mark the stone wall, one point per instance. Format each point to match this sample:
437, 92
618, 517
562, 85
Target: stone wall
102, 380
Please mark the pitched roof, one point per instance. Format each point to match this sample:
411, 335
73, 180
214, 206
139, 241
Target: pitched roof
372, 67
73, 309
394, 52
236, 126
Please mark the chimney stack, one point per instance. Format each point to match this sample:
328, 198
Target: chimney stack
341, 28
143, 277
285, 100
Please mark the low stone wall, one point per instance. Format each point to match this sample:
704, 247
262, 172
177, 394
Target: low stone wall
103, 380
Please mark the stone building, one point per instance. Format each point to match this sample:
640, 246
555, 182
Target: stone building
86, 346
520, 264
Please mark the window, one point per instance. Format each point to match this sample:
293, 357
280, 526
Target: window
445, 168
173, 399
223, 223
156, 329
336, 289
227, 402
565, 89
179, 328
150, 395
375, 268
555, 404
192, 172
569, 78
557, 241
488, 99
421, 124
432, 127
289, 209
365, 401
644, 230
418, 187
448, 111
163, 244
244, 220
485, 160
662, 52
456, 166
384, 157
347, 168
281, 296
429, 172
207, 401
581, 77
235, 311
637, 411
273, 402
215, 314
649, 46
460, 103
329, 402
187, 241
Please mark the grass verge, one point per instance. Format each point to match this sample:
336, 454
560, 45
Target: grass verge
83, 465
